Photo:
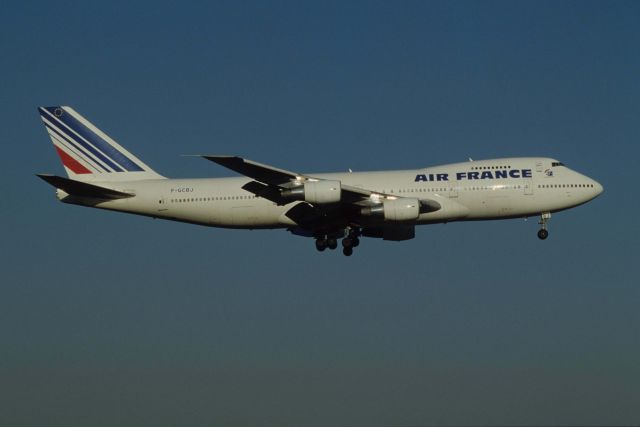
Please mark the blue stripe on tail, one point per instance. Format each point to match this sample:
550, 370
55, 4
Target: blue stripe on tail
69, 141
72, 137
114, 155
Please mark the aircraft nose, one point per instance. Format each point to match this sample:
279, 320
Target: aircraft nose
597, 188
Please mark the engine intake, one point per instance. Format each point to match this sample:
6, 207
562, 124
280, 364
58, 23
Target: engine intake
319, 192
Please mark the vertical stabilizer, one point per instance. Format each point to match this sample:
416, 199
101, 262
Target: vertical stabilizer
87, 153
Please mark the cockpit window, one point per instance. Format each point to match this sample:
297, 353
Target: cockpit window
557, 164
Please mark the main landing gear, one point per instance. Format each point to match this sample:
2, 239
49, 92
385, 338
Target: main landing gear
543, 233
350, 241
323, 243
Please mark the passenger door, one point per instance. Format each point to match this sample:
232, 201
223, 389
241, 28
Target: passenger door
453, 189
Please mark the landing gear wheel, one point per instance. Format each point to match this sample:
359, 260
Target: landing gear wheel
543, 234
356, 242
347, 242
332, 243
321, 244
347, 251
544, 218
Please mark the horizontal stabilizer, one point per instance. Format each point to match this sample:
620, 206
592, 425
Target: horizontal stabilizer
82, 189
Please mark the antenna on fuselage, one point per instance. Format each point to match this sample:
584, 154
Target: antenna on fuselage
470, 159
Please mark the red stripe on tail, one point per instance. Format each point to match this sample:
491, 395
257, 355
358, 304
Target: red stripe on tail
70, 162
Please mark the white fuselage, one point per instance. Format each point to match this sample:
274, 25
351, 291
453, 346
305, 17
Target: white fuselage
475, 190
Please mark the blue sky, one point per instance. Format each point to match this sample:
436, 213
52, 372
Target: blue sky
109, 319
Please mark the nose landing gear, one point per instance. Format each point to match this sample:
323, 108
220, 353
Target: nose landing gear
543, 233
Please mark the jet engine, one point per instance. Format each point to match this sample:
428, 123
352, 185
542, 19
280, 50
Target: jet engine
398, 210
319, 192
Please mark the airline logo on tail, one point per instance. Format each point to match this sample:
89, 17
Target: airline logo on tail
82, 147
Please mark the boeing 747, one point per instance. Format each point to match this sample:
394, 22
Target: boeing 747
327, 207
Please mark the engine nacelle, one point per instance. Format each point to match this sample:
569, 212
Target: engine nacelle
319, 192
398, 210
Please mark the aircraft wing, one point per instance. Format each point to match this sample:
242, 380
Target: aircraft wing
262, 173
268, 179
269, 176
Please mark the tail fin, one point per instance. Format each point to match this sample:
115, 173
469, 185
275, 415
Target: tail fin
87, 153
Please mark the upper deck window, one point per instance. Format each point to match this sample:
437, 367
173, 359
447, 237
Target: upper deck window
557, 164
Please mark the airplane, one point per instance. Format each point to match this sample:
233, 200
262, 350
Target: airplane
324, 206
